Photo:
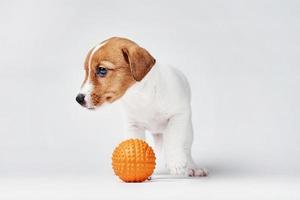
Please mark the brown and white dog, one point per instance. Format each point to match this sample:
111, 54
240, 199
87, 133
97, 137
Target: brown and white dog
155, 98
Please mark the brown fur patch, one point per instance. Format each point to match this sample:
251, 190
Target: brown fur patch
140, 61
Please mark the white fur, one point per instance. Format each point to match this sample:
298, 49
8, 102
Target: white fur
87, 88
160, 103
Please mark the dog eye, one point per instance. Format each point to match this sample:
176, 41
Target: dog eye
101, 71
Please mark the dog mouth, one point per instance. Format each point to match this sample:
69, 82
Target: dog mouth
88, 106
94, 101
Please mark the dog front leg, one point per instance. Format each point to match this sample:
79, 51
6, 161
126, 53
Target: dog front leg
177, 143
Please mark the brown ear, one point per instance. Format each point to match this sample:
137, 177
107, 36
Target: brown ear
140, 61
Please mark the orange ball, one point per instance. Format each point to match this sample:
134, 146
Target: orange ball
133, 160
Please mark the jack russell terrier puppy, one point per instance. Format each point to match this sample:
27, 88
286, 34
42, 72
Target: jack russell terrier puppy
155, 98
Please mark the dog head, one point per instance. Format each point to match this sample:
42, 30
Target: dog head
110, 69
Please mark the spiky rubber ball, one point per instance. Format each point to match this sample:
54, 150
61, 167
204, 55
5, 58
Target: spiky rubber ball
133, 160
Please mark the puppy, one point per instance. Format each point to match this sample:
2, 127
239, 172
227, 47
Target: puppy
155, 98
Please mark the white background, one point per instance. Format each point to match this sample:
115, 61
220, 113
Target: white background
242, 61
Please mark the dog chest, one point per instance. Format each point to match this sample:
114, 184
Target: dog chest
151, 118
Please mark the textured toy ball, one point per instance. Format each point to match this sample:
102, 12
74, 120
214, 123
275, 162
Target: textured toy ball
133, 160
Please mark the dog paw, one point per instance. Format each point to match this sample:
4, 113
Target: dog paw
178, 168
198, 172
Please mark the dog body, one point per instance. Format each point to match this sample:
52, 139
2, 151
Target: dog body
152, 102
160, 103
155, 98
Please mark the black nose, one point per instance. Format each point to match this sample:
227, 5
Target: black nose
80, 99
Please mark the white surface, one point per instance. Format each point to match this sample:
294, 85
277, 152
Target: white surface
222, 187
242, 61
